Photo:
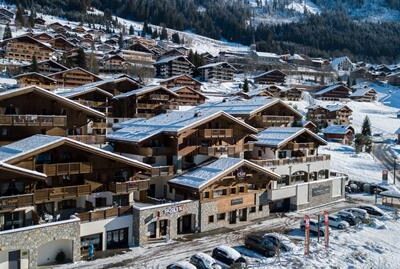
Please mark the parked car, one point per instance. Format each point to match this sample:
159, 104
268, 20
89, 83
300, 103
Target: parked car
373, 210
204, 261
348, 217
227, 255
377, 138
313, 227
336, 222
181, 265
359, 213
267, 244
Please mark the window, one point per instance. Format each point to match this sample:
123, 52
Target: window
117, 238
219, 193
101, 201
233, 190
282, 154
311, 152
241, 189
221, 216
95, 239
206, 194
260, 208
253, 209
120, 200
211, 219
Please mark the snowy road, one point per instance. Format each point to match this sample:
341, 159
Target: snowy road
384, 155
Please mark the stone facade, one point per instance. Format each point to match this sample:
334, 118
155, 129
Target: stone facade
143, 216
29, 239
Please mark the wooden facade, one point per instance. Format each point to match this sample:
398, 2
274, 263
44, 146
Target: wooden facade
36, 79
182, 80
188, 96
333, 93
217, 71
23, 48
324, 116
270, 77
74, 77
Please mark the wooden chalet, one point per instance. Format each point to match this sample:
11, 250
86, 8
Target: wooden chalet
144, 102
343, 134
336, 92
153, 49
116, 86
114, 64
173, 66
188, 96
33, 110
23, 48
46, 67
36, 79
60, 43
270, 77
364, 93
74, 77
230, 192
323, 116
394, 79
181, 80
43, 37
259, 112
182, 139
220, 71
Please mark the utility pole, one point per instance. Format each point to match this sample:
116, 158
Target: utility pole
394, 170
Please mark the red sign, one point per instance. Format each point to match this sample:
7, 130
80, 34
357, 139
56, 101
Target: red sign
326, 220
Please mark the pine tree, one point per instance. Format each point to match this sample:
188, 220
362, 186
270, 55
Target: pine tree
164, 34
175, 38
245, 87
121, 41
81, 58
366, 127
131, 30
34, 65
19, 16
145, 29
7, 32
31, 20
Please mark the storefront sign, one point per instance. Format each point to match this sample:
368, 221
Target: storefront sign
172, 210
241, 174
237, 201
148, 219
320, 190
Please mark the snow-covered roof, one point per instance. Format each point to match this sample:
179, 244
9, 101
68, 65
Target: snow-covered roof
359, 92
215, 65
144, 90
267, 54
70, 93
330, 107
246, 107
269, 72
172, 58
204, 175
138, 130
5, 167
337, 129
34, 143
177, 88
277, 136
35, 74
397, 131
329, 89
178, 76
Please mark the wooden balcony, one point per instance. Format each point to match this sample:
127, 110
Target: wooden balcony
271, 119
15, 201
99, 125
129, 186
298, 146
216, 133
89, 139
289, 161
105, 213
147, 106
159, 97
90, 103
61, 169
62, 192
33, 120
217, 151
162, 171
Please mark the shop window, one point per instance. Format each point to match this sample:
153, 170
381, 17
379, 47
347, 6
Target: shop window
221, 216
211, 219
117, 238
95, 239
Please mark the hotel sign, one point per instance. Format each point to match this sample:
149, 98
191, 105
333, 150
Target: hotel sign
172, 210
237, 201
320, 190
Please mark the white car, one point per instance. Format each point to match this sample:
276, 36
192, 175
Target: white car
227, 255
314, 227
337, 222
181, 265
204, 261
359, 213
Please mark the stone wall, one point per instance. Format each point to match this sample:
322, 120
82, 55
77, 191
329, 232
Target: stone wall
29, 239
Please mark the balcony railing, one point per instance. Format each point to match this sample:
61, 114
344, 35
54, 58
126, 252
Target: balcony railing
89, 139
277, 119
105, 213
129, 186
61, 169
297, 146
162, 171
16, 201
33, 120
162, 97
216, 133
217, 151
62, 192
289, 161
99, 125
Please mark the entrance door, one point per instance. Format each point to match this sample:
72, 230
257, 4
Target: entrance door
232, 217
185, 224
243, 214
163, 227
14, 259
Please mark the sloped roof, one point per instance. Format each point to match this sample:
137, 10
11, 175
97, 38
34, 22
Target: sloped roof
337, 129
75, 68
144, 90
203, 176
172, 58
15, 170
330, 107
277, 136
269, 72
138, 130
216, 64
35, 74
177, 88
178, 76
74, 92
29, 38
36, 143
359, 92
330, 88
70, 103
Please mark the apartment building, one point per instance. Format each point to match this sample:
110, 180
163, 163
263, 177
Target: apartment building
181, 80
74, 77
306, 178
59, 195
173, 66
22, 48
33, 110
220, 71
337, 92
325, 115
270, 77
260, 112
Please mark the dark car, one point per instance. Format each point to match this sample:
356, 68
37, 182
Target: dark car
373, 210
227, 255
351, 220
268, 244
